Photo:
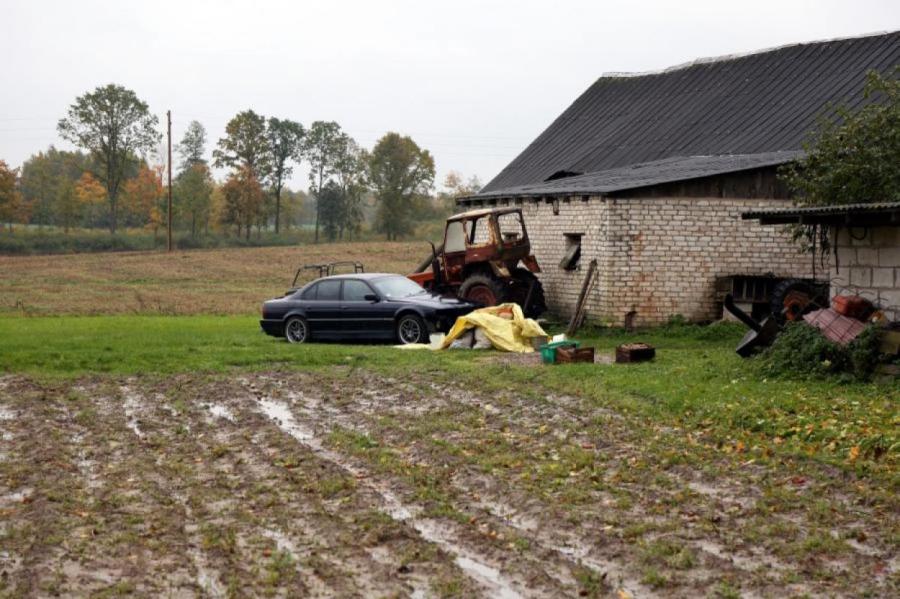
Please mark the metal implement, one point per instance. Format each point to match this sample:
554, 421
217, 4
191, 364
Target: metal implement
327, 269
761, 334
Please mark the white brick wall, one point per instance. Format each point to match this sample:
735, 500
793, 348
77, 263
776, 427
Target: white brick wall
657, 257
868, 264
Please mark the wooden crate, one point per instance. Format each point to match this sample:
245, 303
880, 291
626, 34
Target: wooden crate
634, 352
568, 355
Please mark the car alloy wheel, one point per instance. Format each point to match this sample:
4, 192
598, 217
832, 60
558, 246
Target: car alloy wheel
295, 330
411, 329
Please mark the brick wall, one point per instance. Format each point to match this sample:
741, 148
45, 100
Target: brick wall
657, 257
868, 264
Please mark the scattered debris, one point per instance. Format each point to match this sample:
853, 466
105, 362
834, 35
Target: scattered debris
761, 334
834, 326
634, 352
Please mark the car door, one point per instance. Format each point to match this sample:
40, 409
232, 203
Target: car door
361, 317
358, 319
323, 308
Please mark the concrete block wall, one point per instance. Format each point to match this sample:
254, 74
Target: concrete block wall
868, 264
657, 257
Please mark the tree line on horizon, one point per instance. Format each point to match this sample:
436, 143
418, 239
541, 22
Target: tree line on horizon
116, 177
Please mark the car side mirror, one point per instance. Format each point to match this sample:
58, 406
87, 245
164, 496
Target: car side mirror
371, 297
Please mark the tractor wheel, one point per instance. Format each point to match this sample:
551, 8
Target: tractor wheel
523, 279
483, 289
792, 298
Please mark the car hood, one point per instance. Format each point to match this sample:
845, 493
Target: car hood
434, 300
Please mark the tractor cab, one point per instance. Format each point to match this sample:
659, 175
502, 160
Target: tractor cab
485, 258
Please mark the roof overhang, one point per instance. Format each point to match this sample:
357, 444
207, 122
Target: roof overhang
883, 214
638, 176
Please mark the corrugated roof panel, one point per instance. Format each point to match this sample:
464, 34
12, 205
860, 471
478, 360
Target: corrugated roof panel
755, 104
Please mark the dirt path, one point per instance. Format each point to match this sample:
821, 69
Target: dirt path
349, 484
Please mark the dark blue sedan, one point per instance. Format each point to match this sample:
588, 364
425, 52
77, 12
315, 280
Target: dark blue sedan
361, 306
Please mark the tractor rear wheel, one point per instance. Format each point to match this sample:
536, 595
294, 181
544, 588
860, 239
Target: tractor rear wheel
483, 289
792, 298
522, 281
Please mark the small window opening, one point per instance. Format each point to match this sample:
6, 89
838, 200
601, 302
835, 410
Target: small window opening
572, 255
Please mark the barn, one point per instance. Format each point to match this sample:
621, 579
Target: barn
648, 174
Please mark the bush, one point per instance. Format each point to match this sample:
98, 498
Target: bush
801, 350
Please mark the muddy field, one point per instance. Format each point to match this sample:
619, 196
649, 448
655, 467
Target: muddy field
350, 484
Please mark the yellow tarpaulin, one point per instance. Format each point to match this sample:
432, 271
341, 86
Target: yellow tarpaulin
513, 335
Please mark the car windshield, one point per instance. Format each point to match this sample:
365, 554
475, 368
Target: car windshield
397, 287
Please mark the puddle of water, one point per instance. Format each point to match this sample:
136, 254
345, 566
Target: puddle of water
131, 405
220, 411
475, 568
614, 572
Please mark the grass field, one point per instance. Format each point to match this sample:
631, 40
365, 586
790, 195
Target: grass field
194, 456
225, 281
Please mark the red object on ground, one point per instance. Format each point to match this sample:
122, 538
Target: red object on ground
834, 326
852, 306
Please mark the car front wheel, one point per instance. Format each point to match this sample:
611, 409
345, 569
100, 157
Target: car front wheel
411, 329
296, 329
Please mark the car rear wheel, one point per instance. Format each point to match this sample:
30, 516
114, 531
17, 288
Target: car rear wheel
411, 329
296, 329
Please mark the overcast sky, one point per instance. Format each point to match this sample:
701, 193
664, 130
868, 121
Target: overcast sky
472, 81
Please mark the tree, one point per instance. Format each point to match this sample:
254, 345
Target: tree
285, 141
116, 127
245, 145
350, 168
399, 172
10, 199
68, 205
192, 146
243, 199
143, 194
88, 191
41, 177
321, 148
193, 190
455, 187
331, 199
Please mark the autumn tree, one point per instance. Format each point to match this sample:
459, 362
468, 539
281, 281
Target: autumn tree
193, 191
115, 127
41, 177
68, 205
10, 199
143, 194
243, 199
87, 192
192, 146
245, 145
321, 148
285, 144
400, 173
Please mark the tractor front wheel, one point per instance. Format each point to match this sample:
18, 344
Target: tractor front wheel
483, 289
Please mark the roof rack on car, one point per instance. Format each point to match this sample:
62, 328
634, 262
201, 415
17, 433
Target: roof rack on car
329, 268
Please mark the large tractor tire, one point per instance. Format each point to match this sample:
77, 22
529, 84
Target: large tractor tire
483, 289
522, 281
792, 298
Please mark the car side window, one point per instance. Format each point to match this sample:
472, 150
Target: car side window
356, 291
310, 293
328, 291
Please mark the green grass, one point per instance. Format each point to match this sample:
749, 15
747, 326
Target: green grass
696, 384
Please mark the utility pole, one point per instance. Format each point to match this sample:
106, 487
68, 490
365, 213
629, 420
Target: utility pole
169, 225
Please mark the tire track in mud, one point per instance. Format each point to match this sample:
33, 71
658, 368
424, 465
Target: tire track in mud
563, 560
475, 566
361, 410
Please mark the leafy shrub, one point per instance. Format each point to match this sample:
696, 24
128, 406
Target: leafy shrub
801, 350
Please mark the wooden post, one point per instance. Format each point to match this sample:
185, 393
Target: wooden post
169, 223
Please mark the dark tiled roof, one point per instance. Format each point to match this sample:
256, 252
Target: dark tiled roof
754, 104
876, 213
646, 174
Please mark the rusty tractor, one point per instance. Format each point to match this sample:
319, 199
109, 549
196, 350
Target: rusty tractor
485, 258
